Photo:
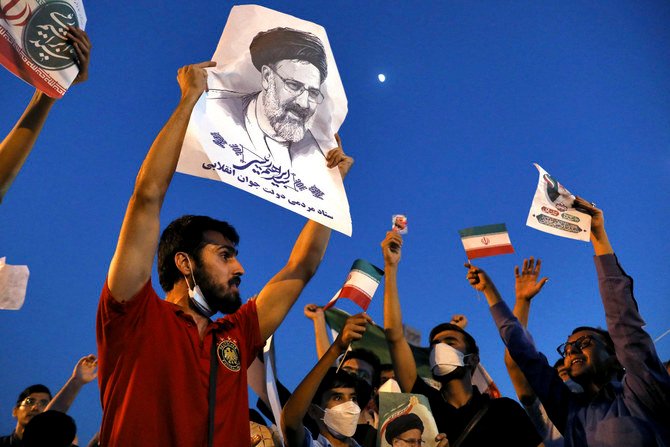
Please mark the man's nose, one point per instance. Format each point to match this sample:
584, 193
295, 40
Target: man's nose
303, 99
570, 349
238, 269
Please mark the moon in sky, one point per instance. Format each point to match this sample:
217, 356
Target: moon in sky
381, 77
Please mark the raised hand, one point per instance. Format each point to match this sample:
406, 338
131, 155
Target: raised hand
192, 79
337, 157
312, 311
441, 440
353, 330
477, 277
86, 369
82, 47
599, 239
597, 218
526, 284
392, 248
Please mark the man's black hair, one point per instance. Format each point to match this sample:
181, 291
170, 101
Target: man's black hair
604, 335
278, 44
371, 358
37, 388
470, 343
558, 363
186, 234
49, 429
343, 379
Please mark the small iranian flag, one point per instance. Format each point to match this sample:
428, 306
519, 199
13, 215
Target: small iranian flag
360, 285
487, 240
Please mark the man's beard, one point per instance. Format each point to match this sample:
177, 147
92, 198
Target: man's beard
456, 374
217, 299
286, 127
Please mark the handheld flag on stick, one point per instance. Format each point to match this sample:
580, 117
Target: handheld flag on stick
487, 240
360, 285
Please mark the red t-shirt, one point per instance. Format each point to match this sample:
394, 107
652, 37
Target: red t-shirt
154, 373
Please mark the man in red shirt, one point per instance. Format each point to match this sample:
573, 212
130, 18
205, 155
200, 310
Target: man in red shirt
156, 356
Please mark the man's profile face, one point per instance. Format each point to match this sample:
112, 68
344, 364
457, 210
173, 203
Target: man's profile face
218, 273
31, 406
288, 98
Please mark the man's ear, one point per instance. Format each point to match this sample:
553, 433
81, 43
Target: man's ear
266, 72
183, 263
14, 412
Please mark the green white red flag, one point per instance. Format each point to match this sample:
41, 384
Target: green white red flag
487, 240
360, 285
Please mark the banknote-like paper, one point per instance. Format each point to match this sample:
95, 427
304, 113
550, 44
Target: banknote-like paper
274, 102
552, 211
33, 44
13, 284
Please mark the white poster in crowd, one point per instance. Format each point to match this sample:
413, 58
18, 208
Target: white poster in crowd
13, 284
274, 102
552, 211
33, 44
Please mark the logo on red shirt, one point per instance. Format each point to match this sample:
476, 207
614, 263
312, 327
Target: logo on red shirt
229, 354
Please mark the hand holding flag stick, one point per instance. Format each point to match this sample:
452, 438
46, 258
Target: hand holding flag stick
353, 330
486, 240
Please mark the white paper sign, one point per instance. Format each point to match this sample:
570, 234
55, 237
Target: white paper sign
33, 44
13, 284
552, 211
274, 103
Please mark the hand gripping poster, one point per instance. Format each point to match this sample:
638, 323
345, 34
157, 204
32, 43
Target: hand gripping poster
34, 45
552, 211
267, 122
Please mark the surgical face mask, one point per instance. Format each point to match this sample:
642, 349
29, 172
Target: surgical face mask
445, 359
196, 296
574, 386
342, 419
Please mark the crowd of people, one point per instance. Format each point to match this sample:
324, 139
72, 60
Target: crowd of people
608, 388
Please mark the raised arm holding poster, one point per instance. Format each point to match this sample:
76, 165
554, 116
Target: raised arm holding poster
274, 103
34, 44
552, 210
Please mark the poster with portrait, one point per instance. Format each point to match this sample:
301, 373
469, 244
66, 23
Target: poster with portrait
267, 122
33, 44
406, 417
552, 211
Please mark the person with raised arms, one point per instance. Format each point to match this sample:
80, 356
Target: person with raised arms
611, 411
169, 375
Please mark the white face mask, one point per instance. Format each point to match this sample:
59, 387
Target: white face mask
342, 419
445, 359
196, 296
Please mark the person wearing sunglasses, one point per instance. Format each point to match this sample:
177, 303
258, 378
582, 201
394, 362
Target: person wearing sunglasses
632, 410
